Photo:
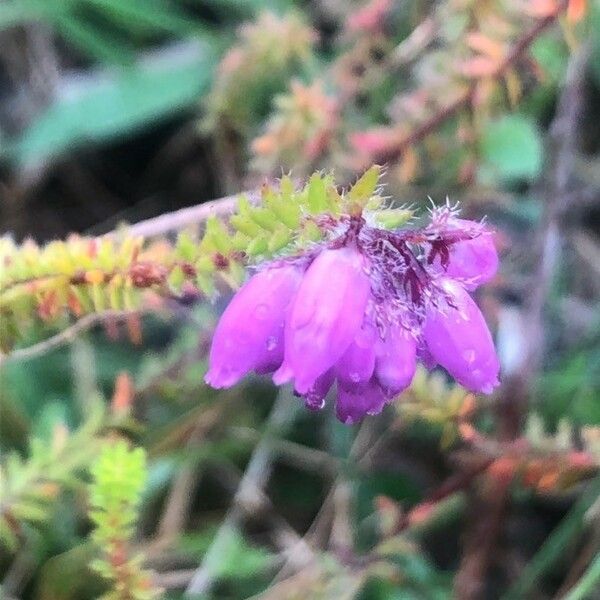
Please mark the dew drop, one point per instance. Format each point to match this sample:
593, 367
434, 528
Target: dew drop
261, 312
271, 343
355, 376
314, 402
469, 355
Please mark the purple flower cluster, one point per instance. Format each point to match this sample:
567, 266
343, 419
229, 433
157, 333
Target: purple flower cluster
360, 311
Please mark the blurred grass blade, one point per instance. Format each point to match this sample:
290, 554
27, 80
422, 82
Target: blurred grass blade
248, 8
110, 107
157, 16
554, 547
588, 584
95, 43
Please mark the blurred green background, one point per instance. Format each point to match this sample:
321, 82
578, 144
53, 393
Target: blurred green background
115, 111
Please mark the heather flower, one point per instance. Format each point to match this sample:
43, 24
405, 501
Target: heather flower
474, 260
325, 316
396, 359
355, 368
359, 309
249, 335
458, 339
353, 404
315, 397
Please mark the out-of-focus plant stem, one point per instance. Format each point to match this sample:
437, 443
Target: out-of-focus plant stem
394, 153
491, 502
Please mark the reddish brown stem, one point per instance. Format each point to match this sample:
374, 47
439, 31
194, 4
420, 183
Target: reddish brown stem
394, 153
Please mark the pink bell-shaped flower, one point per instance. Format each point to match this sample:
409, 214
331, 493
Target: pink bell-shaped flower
325, 316
353, 404
249, 335
475, 261
396, 359
355, 368
457, 337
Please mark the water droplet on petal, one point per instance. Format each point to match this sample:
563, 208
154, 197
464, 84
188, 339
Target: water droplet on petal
314, 402
271, 343
355, 377
261, 312
469, 355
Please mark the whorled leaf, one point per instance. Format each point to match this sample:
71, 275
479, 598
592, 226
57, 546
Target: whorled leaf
42, 288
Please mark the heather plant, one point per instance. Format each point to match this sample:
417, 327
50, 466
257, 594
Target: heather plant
119, 475
361, 308
370, 371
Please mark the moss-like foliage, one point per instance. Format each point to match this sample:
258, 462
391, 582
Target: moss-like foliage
52, 284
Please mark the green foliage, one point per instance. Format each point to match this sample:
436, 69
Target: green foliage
91, 275
572, 389
270, 51
419, 577
430, 399
30, 488
115, 103
511, 150
114, 106
88, 24
554, 547
283, 223
119, 476
588, 583
236, 557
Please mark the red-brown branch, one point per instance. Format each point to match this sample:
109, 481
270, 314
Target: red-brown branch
392, 154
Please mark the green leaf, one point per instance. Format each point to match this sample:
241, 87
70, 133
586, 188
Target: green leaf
90, 40
244, 225
250, 7
29, 511
511, 149
112, 108
588, 584
216, 232
280, 239
393, 218
67, 576
7, 536
551, 53
264, 218
317, 197
154, 15
259, 245
234, 557
365, 187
